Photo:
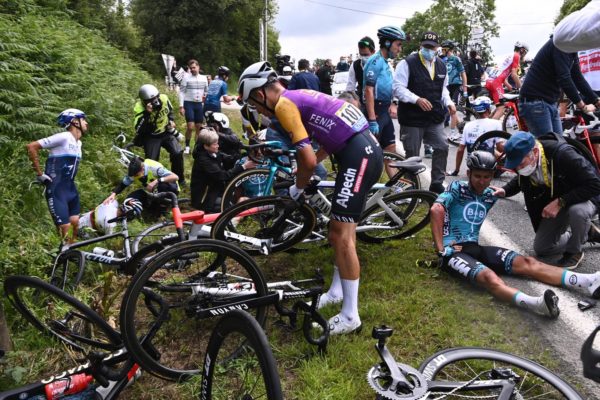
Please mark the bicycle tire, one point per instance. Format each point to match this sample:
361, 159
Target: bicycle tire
251, 375
142, 256
60, 315
68, 269
278, 222
191, 277
406, 178
493, 135
233, 191
464, 363
411, 206
508, 112
156, 232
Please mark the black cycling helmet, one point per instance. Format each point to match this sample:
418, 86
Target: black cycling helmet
481, 160
223, 71
448, 44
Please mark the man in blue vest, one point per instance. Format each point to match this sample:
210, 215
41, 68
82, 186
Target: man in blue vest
420, 83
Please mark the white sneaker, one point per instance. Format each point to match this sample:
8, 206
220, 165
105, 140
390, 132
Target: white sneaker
325, 300
595, 287
339, 325
187, 150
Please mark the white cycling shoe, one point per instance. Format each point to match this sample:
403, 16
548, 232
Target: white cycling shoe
339, 325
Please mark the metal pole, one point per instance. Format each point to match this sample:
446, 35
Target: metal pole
265, 21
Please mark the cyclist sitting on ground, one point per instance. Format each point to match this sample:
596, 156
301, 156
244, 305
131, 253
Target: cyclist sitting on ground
498, 77
209, 175
456, 218
61, 167
229, 142
473, 129
97, 219
153, 177
342, 130
217, 89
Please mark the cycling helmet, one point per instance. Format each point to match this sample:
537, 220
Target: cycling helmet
391, 33
219, 118
481, 104
481, 160
223, 71
148, 92
521, 45
448, 44
255, 76
65, 118
132, 207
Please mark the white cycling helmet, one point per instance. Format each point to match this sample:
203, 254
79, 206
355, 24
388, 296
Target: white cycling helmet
255, 76
521, 45
219, 118
148, 92
482, 104
65, 118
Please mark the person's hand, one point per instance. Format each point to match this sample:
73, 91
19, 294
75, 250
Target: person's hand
452, 109
509, 88
152, 185
452, 173
249, 164
110, 199
424, 104
182, 111
295, 192
172, 124
498, 191
44, 179
374, 127
449, 250
551, 210
589, 108
393, 111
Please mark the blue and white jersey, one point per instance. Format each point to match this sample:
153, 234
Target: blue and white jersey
476, 128
216, 89
465, 212
378, 74
64, 158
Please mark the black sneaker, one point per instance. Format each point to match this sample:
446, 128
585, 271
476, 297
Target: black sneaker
437, 188
551, 301
594, 234
570, 260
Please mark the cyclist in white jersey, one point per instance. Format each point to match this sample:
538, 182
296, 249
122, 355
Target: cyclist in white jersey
191, 97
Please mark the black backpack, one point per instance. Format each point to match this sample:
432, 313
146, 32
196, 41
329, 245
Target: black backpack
474, 71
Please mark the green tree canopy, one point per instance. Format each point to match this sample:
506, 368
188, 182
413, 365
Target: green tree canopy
568, 7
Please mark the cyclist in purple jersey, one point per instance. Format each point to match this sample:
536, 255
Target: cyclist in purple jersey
341, 130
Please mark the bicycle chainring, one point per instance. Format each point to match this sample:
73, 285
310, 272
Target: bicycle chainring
380, 379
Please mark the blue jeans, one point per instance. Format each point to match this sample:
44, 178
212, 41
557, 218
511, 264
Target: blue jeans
541, 117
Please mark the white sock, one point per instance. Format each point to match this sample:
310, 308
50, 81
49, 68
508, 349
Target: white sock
452, 131
531, 303
578, 280
335, 290
350, 303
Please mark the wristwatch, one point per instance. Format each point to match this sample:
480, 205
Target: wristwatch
161, 180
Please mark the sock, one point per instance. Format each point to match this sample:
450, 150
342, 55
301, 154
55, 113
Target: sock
335, 290
531, 303
578, 280
350, 304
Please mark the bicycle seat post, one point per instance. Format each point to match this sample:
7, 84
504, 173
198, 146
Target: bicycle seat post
381, 333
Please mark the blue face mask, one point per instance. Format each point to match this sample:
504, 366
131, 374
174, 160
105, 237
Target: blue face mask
427, 54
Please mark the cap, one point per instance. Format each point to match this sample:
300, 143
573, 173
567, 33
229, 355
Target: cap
430, 38
517, 147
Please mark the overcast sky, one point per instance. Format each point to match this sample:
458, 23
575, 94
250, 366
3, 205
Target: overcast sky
311, 29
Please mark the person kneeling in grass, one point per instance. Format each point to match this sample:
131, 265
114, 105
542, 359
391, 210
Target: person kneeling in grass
456, 219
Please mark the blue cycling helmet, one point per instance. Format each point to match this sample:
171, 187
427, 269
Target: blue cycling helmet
66, 117
391, 32
481, 104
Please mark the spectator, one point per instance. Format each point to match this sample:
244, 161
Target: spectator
475, 72
209, 176
343, 65
553, 70
420, 84
217, 89
561, 190
155, 128
457, 81
304, 79
229, 143
366, 48
62, 164
191, 96
325, 77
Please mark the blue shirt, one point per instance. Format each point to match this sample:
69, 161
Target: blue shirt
378, 74
455, 68
216, 89
465, 212
304, 80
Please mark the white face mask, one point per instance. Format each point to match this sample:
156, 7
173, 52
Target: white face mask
528, 170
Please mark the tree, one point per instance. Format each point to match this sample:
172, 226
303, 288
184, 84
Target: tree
568, 7
454, 20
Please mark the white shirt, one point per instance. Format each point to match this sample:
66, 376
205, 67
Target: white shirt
351, 84
62, 144
474, 129
192, 88
589, 61
579, 30
400, 85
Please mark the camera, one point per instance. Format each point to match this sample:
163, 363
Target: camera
281, 62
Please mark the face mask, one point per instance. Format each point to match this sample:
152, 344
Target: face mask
528, 170
427, 54
364, 59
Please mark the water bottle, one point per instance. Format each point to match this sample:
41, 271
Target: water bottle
66, 386
103, 252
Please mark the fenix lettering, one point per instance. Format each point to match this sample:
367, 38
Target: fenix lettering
225, 310
319, 120
346, 193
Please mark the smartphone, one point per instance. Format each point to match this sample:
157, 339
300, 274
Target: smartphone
586, 304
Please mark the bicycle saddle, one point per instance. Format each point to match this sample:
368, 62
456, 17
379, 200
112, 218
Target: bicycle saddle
510, 97
412, 164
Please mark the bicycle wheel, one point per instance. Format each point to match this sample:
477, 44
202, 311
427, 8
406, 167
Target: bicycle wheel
466, 363
234, 191
509, 122
402, 215
60, 315
493, 136
143, 255
68, 270
198, 280
408, 180
252, 374
160, 231
265, 225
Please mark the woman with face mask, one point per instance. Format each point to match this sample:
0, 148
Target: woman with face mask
561, 190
